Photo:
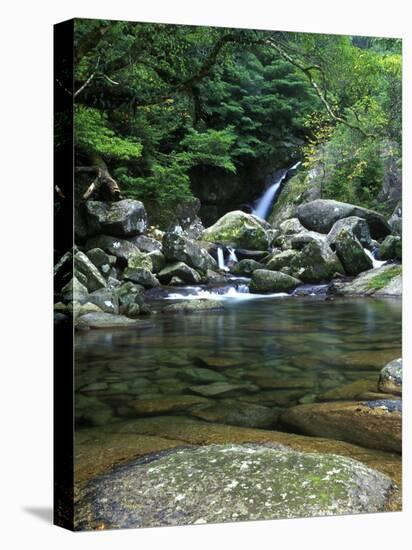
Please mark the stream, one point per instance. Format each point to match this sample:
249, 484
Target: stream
269, 352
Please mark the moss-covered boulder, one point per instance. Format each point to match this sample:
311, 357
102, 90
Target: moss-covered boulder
391, 248
373, 424
277, 261
316, 263
239, 230
265, 280
158, 260
178, 248
140, 260
146, 244
390, 378
351, 253
124, 218
382, 281
179, 269
218, 483
320, 215
291, 226
246, 267
103, 261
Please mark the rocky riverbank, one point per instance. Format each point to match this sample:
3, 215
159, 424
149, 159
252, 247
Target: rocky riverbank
120, 263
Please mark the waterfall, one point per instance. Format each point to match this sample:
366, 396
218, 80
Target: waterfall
232, 255
375, 263
220, 258
269, 196
232, 258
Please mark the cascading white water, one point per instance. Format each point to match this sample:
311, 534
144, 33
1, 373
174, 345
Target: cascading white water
269, 196
375, 263
232, 255
220, 258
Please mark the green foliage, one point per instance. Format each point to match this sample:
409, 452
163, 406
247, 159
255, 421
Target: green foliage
158, 101
93, 134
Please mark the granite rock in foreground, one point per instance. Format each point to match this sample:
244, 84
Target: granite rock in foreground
219, 483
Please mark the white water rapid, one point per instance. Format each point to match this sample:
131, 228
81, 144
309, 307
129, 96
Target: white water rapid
375, 263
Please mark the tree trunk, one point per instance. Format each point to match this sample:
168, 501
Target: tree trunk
104, 183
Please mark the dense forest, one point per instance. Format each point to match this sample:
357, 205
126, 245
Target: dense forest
167, 113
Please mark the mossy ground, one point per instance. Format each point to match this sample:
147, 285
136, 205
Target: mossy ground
381, 280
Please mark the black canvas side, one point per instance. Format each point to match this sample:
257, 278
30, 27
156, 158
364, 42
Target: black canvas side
63, 242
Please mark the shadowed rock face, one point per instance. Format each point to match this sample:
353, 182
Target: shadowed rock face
218, 483
124, 218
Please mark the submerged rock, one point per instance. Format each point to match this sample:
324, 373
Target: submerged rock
220, 483
224, 389
390, 378
367, 425
192, 306
320, 215
108, 320
351, 253
264, 280
124, 218
236, 413
170, 404
239, 230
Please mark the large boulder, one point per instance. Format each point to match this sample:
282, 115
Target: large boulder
320, 215
246, 267
282, 261
88, 272
291, 226
357, 227
178, 248
120, 248
395, 221
316, 263
382, 281
391, 248
265, 280
390, 378
140, 260
103, 261
124, 218
351, 253
141, 276
239, 230
74, 291
220, 483
181, 270
106, 299
146, 244
373, 424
